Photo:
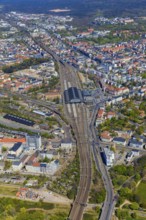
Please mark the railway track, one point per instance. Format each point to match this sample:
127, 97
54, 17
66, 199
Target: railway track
79, 125
77, 117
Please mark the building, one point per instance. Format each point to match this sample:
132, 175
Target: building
52, 167
142, 139
88, 98
100, 116
11, 157
12, 140
110, 115
105, 136
33, 167
129, 156
31, 183
33, 141
48, 168
135, 153
52, 153
16, 150
119, 140
108, 157
73, 95
66, 145
17, 165
135, 143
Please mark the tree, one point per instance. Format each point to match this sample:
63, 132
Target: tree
134, 206
4, 149
45, 160
125, 192
137, 198
23, 211
8, 164
134, 215
24, 64
97, 209
122, 214
140, 130
10, 210
71, 193
137, 177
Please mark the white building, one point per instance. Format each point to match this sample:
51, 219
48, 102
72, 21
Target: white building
16, 150
33, 141
136, 144
109, 157
49, 154
119, 140
17, 165
129, 156
135, 153
66, 145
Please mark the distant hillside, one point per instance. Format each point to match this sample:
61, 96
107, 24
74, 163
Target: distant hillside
80, 8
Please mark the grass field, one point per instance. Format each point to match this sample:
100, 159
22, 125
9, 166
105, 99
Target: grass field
9, 190
49, 211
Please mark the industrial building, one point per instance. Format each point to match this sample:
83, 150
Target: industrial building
16, 150
73, 95
18, 119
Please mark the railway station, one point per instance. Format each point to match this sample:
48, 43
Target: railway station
73, 95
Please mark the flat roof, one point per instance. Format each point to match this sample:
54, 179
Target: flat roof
132, 141
16, 146
16, 163
120, 139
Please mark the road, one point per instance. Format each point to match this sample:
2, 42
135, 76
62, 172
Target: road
110, 201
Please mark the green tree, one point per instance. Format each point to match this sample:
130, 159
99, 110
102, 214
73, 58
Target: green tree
137, 177
134, 206
71, 193
134, 215
4, 149
122, 214
8, 165
125, 192
10, 210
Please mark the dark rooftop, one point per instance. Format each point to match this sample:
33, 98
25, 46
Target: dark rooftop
16, 146
120, 139
73, 95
